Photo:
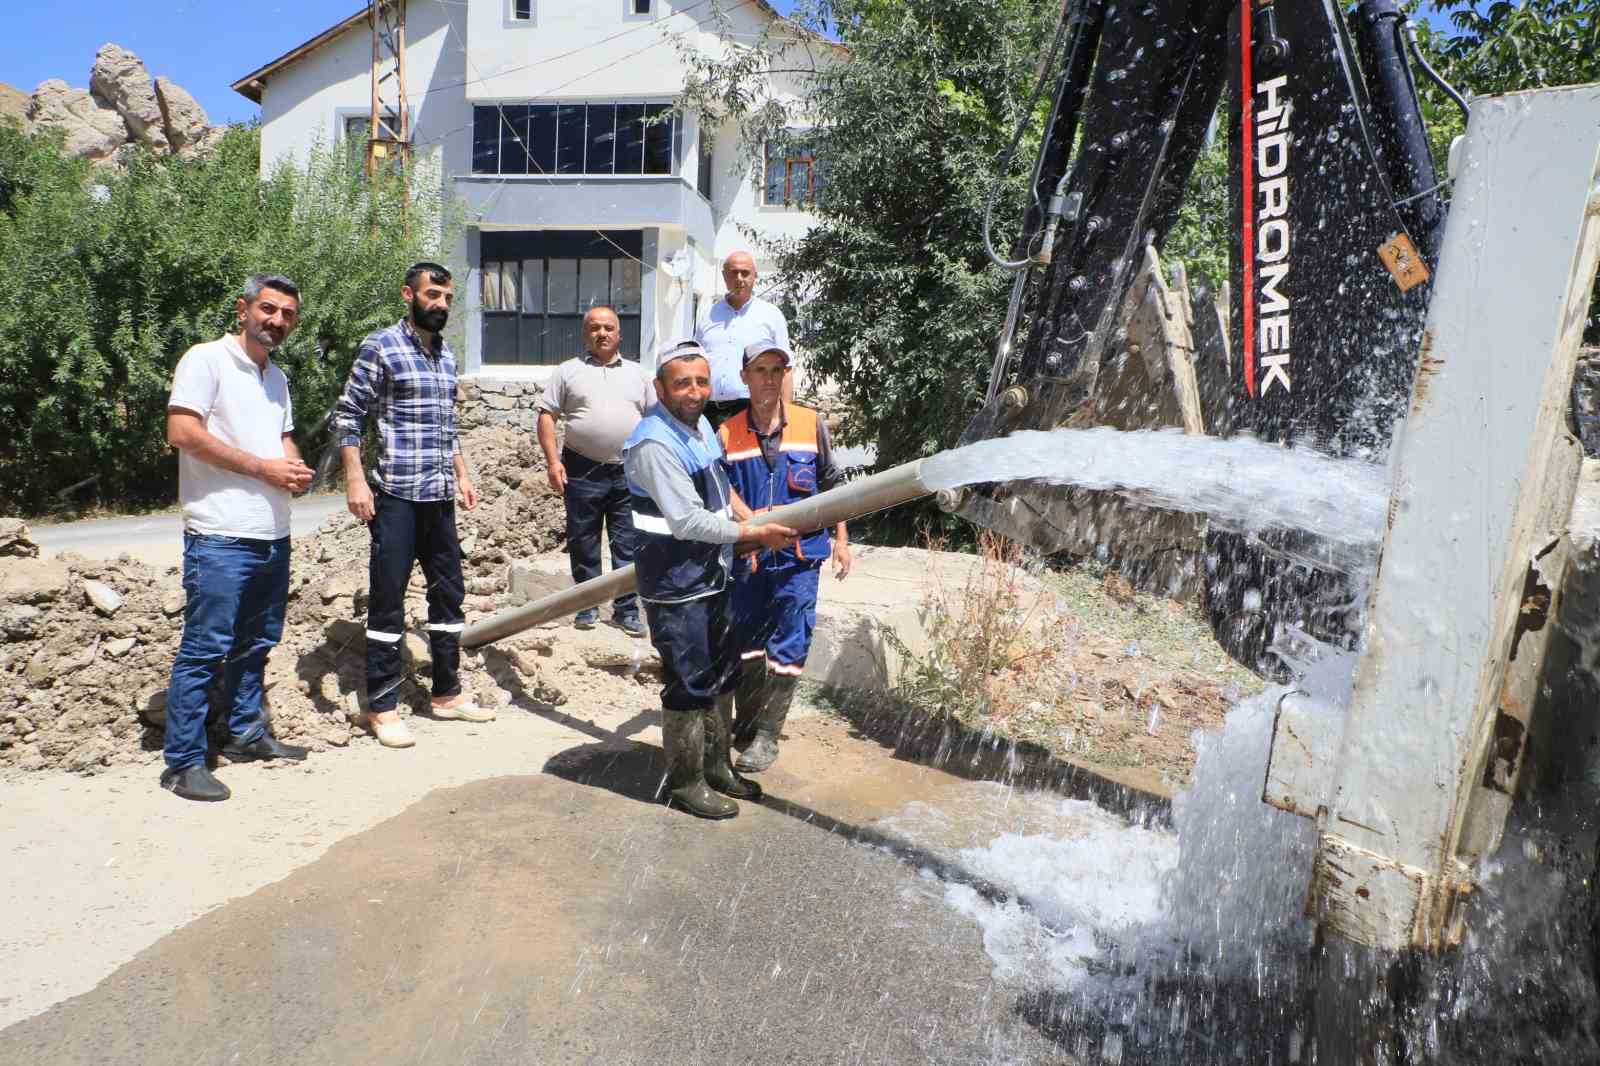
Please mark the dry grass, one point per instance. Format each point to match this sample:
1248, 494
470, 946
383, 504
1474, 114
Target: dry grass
1076, 661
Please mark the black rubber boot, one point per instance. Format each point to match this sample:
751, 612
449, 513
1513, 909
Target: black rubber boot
762, 751
748, 699
683, 739
719, 764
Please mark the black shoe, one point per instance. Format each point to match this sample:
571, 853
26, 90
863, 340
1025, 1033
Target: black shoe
629, 624
586, 619
194, 783
266, 746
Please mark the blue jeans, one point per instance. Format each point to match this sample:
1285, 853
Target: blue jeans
597, 494
235, 591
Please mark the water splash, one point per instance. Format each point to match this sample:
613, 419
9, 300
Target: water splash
1242, 484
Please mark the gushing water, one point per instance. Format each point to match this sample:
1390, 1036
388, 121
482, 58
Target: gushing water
1244, 485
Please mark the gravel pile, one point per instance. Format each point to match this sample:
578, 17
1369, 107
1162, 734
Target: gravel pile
86, 645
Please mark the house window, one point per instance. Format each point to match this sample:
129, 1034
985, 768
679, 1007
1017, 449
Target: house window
640, 7
703, 176
793, 175
355, 137
521, 10
595, 138
537, 286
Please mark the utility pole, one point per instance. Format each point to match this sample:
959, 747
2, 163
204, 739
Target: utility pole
389, 121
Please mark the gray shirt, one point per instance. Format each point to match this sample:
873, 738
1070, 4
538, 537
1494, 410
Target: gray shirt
601, 403
653, 467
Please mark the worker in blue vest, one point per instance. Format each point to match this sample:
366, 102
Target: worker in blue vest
687, 522
776, 453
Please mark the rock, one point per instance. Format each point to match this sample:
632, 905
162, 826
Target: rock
525, 583
33, 580
40, 671
182, 116
14, 540
207, 143
89, 128
415, 650
13, 105
18, 621
120, 647
119, 78
152, 707
103, 597
342, 585
338, 738
172, 603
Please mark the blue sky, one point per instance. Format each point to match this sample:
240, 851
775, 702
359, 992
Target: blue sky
203, 45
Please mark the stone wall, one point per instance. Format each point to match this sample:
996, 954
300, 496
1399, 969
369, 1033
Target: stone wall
497, 402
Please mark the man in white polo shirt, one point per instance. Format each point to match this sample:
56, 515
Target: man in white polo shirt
735, 322
230, 419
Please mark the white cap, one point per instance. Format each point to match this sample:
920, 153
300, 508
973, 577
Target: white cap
688, 348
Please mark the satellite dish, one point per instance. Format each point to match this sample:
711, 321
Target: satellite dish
679, 264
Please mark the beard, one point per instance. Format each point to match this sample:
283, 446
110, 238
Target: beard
686, 411
268, 337
430, 319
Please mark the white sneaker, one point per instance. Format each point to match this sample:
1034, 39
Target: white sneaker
468, 711
391, 734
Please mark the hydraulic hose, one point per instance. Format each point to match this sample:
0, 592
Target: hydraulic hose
1011, 151
1433, 75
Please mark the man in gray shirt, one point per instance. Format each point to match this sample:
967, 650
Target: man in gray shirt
601, 396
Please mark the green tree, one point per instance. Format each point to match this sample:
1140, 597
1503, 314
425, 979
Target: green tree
112, 275
899, 308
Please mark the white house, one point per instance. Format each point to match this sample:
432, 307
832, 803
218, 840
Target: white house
550, 120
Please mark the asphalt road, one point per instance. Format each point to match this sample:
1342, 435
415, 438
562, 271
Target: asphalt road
568, 917
158, 539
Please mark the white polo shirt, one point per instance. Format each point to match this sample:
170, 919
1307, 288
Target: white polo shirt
726, 332
244, 406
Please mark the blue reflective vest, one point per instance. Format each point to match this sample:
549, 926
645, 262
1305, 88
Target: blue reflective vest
670, 570
792, 476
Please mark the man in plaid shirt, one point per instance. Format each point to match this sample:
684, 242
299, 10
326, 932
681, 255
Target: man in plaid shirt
405, 376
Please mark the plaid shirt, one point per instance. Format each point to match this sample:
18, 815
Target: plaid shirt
413, 395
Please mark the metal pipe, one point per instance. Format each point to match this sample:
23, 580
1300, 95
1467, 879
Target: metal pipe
888, 488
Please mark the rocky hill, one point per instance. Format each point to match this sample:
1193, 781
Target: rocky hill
121, 107
13, 104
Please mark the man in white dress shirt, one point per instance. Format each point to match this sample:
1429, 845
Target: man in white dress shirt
734, 323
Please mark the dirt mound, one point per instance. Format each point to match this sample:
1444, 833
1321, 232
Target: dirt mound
86, 645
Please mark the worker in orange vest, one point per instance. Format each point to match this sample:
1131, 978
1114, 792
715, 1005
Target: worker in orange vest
776, 453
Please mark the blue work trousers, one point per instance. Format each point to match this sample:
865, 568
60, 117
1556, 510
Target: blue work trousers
596, 495
698, 660
774, 612
235, 590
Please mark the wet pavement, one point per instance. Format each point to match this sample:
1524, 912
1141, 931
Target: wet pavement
568, 917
